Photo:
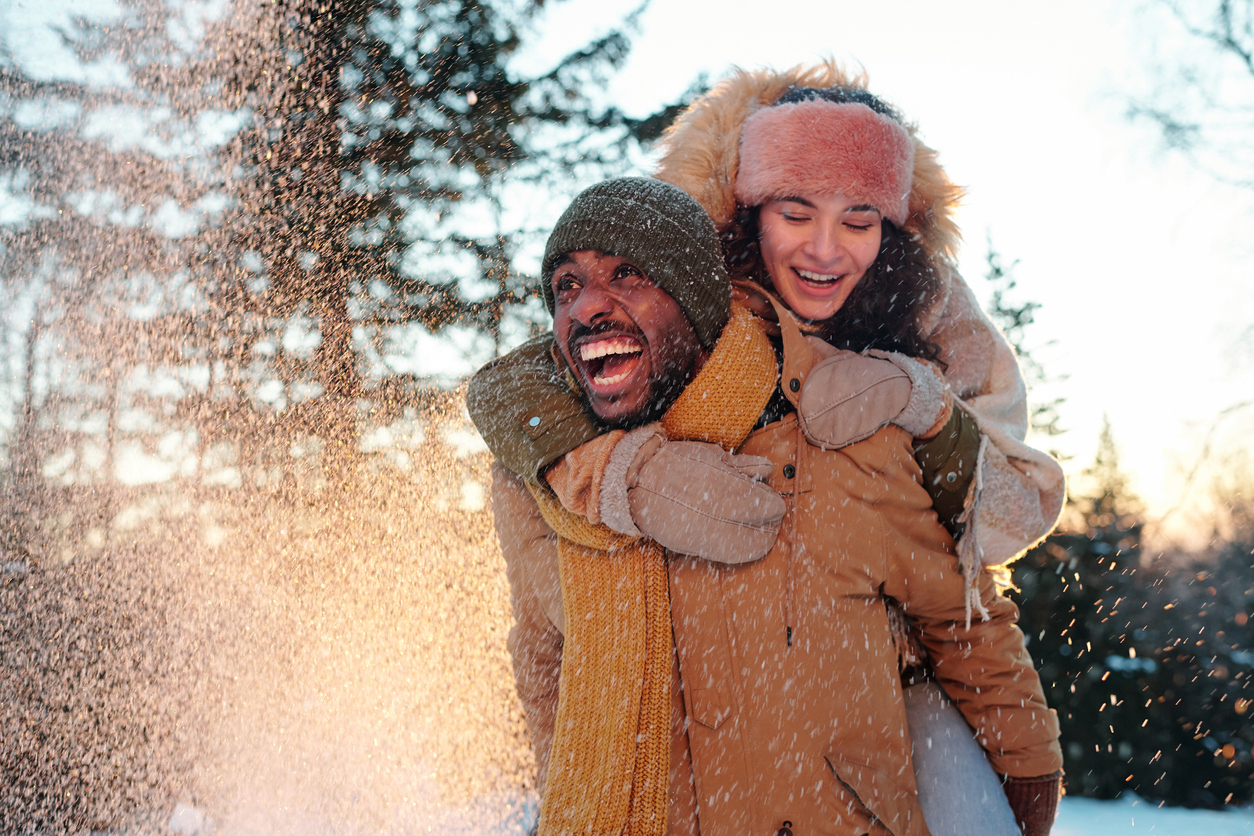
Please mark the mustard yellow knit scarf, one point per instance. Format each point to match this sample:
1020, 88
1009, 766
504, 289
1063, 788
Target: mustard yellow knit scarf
609, 767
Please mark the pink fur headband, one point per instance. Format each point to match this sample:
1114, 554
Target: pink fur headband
820, 147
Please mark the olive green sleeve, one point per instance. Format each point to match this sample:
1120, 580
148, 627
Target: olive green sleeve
525, 411
948, 461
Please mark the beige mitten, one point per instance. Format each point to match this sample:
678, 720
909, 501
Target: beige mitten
849, 396
691, 497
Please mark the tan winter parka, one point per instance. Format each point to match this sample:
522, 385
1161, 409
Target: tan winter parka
787, 705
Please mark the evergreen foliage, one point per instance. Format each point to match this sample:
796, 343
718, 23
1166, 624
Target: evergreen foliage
1147, 663
1014, 317
386, 175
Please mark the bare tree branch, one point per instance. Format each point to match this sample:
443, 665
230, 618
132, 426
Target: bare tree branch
1203, 104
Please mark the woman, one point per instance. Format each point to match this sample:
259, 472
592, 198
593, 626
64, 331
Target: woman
1018, 494
868, 264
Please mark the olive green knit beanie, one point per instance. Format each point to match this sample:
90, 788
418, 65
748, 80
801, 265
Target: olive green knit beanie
658, 228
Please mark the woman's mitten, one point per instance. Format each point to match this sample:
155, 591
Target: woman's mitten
849, 396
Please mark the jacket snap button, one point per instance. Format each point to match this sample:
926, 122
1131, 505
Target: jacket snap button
789, 471
951, 477
785, 830
535, 421
794, 384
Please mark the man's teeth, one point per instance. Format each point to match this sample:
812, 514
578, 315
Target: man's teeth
604, 348
591, 351
817, 277
609, 381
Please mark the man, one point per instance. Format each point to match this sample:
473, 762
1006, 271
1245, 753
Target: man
778, 707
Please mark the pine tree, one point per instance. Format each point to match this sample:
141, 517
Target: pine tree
1199, 636
1014, 318
353, 169
89, 254
388, 141
1074, 593
1147, 662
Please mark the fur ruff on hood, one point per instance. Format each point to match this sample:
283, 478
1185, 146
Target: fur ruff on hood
701, 152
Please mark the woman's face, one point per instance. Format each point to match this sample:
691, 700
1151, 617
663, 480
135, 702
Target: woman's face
816, 249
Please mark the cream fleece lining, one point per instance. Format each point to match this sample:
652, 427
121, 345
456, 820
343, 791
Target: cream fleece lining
615, 511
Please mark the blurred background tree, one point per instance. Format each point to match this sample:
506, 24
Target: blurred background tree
1014, 315
382, 174
1148, 659
1202, 85
1199, 98
91, 254
266, 218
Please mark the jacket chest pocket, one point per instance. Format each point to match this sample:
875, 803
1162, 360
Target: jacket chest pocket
710, 707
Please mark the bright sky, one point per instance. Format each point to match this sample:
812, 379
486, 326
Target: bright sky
1142, 264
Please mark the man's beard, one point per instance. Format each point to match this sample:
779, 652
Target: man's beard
663, 392
664, 389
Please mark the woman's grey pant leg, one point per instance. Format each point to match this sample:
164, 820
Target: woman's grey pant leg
958, 790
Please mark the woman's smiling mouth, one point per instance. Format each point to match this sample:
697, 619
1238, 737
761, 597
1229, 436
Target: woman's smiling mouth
818, 281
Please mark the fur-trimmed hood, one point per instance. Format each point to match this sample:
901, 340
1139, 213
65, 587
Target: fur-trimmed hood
1019, 491
701, 151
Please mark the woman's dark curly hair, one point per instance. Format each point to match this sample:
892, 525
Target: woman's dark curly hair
884, 309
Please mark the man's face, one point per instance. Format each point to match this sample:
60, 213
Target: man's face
626, 340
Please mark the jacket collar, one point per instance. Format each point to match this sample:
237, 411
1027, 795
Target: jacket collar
800, 355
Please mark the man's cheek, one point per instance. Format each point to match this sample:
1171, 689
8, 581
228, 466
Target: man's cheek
569, 355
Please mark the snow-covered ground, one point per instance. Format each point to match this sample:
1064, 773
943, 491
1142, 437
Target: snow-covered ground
514, 815
1132, 816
